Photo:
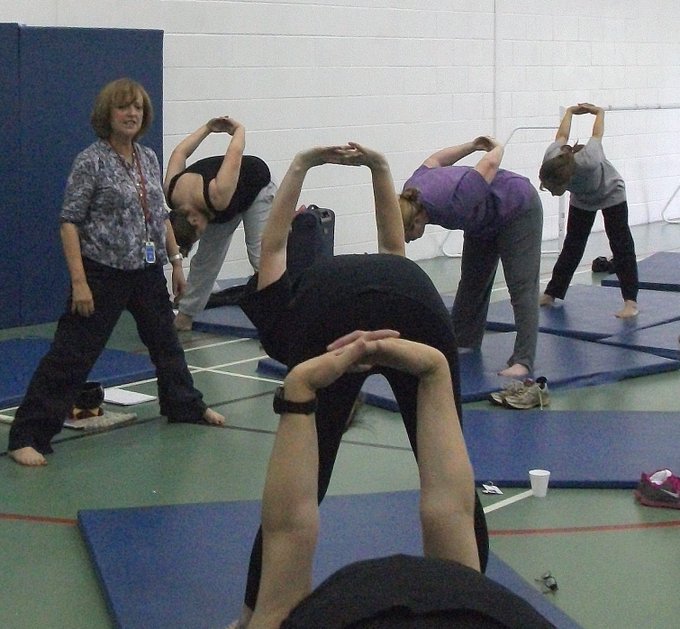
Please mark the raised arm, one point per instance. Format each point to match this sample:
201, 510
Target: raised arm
450, 155
178, 158
489, 164
389, 224
275, 235
598, 112
563, 131
290, 519
221, 189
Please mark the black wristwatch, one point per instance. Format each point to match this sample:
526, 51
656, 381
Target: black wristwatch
282, 405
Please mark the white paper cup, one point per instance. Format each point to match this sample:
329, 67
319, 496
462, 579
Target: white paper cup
539, 482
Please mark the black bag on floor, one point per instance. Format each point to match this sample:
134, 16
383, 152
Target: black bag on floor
311, 238
603, 265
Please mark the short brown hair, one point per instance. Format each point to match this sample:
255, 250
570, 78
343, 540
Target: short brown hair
185, 233
410, 206
560, 169
118, 93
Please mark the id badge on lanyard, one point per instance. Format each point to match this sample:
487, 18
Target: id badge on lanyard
149, 252
149, 246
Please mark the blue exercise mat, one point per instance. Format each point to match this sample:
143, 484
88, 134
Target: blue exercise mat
588, 313
587, 449
660, 271
661, 340
20, 357
173, 567
564, 361
230, 320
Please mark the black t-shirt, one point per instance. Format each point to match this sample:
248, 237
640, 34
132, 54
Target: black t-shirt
291, 317
253, 176
407, 591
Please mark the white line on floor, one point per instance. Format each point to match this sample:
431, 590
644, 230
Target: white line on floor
217, 344
507, 501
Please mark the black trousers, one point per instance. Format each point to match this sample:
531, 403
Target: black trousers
78, 342
579, 224
320, 323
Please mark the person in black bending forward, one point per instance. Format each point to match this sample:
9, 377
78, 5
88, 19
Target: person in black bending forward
337, 296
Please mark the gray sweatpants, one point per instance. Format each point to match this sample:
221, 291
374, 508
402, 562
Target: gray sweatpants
518, 247
214, 244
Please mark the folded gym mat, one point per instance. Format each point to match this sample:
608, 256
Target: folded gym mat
564, 361
657, 272
180, 566
20, 357
588, 313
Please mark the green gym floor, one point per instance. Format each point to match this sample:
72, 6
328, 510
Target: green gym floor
617, 564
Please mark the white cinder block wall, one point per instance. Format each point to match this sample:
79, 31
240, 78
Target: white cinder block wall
408, 77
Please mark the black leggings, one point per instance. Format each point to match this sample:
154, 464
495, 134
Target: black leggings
579, 224
426, 323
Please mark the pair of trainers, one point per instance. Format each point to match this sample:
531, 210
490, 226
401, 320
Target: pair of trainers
659, 489
523, 394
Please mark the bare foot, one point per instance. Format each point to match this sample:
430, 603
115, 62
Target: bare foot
183, 322
546, 300
28, 456
516, 371
630, 310
213, 417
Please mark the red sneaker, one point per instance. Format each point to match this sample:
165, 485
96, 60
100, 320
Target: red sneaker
660, 489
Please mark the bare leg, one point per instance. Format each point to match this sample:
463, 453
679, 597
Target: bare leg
629, 310
28, 456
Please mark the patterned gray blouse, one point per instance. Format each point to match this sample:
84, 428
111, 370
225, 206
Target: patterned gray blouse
102, 201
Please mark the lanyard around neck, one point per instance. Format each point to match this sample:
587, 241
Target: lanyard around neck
141, 187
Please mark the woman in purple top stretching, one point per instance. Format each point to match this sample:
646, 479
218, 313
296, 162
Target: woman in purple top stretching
502, 217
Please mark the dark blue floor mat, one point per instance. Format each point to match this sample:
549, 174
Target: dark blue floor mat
588, 313
229, 319
594, 449
173, 567
564, 361
20, 357
662, 340
657, 272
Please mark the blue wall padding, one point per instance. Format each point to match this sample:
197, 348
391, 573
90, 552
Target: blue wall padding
179, 566
20, 357
657, 272
595, 449
564, 361
10, 189
588, 313
61, 71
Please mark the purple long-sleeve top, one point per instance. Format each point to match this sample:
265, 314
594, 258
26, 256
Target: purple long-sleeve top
458, 197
